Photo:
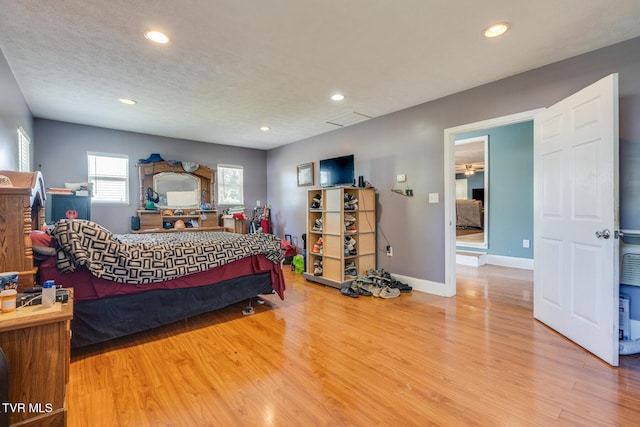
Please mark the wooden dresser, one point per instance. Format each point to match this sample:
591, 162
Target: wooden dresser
37, 345
21, 211
153, 220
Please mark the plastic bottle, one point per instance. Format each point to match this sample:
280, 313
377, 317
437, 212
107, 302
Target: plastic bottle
8, 298
48, 293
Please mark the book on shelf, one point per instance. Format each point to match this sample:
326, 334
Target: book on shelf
55, 190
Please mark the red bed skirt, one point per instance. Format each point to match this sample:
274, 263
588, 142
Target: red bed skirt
87, 287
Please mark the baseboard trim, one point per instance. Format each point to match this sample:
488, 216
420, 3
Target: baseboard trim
474, 259
421, 285
507, 261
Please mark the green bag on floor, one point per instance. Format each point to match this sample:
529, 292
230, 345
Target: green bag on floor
298, 263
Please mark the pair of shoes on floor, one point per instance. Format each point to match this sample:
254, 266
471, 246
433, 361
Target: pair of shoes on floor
402, 287
388, 292
353, 290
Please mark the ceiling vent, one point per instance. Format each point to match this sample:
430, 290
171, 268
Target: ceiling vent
348, 119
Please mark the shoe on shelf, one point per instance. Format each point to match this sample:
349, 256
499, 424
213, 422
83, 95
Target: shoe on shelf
317, 247
317, 267
316, 203
349, 217
350, 198
317, 226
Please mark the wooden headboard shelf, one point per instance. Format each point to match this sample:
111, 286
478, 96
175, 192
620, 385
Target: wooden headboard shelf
21, 211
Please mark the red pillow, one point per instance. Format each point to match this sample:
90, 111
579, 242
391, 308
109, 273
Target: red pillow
42, 243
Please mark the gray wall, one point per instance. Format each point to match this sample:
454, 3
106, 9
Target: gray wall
412, 142
14, 112
61, 154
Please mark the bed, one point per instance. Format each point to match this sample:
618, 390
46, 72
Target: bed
469, 214
128, 283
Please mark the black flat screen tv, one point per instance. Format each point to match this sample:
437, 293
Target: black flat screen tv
337, 171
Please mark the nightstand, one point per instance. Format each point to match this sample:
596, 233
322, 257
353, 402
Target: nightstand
37, 345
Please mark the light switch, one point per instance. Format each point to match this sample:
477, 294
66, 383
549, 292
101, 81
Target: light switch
401, 177
434, 198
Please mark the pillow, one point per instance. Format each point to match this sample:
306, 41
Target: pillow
42, 243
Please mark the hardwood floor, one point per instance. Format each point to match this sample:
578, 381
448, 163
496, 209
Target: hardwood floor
322, 359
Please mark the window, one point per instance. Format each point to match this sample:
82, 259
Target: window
109, 174
24, 151
230, 191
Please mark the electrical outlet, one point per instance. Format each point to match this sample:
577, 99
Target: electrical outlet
389, 250
525, 243
401, 177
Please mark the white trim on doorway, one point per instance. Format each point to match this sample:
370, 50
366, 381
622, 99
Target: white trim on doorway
450, 187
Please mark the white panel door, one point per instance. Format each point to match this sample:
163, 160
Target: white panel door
576, 206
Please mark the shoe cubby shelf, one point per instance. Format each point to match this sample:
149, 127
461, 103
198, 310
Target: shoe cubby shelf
341, 230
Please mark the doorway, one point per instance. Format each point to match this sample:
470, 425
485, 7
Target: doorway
450, 136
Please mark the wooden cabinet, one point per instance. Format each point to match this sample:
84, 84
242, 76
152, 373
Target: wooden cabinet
21, 211
234, 225
68, 206
152, 221
36, 343
344, 221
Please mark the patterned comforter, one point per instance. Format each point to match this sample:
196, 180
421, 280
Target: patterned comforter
148, 258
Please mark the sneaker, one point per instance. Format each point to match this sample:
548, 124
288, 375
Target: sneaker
351, 229
350, 198
317, 201
350, 206
349, 241
317, 247
388, 292
350, 273
349, 217
317, 226
317, 267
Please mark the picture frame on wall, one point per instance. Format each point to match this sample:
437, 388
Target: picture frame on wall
305, 174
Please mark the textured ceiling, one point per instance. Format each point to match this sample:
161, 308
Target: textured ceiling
233, 66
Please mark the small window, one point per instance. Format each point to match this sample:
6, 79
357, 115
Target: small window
230, 185
24, 151
109, 174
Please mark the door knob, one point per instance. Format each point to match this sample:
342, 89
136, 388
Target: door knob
605, 234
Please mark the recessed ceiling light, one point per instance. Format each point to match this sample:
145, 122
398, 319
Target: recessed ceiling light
337, 97
495, 30
128, 101
265, 128
157, 37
